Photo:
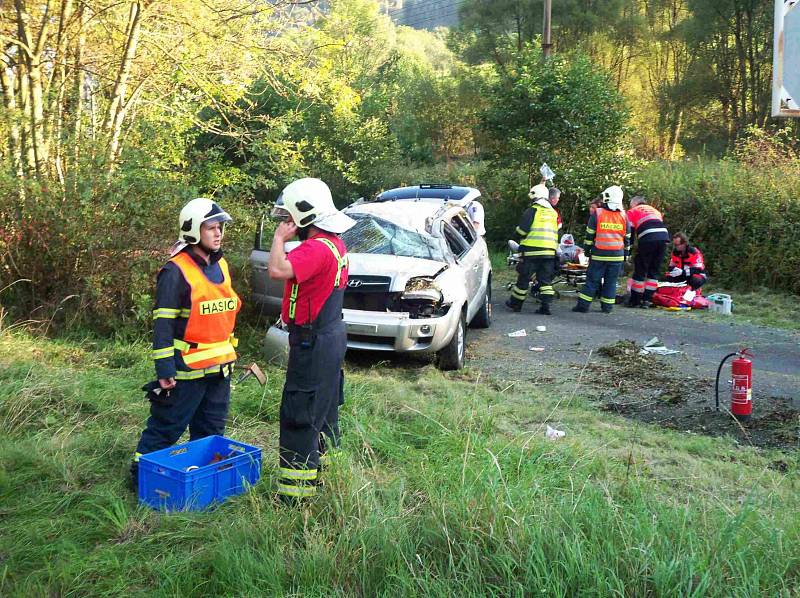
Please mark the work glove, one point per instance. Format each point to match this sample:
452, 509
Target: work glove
156, 394
675, 272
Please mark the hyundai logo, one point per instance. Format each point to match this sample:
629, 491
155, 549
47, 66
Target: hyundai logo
354, 283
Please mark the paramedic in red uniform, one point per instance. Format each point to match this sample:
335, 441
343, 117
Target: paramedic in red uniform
193, 343
316, 276
686, 263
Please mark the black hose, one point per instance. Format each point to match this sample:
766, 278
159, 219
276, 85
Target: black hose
719, 369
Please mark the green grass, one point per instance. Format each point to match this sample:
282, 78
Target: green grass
448, 487
763, 307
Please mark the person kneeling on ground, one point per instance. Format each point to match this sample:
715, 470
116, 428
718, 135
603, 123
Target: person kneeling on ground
686, 263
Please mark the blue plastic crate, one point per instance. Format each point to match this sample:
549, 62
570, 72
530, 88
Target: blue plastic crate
167, 483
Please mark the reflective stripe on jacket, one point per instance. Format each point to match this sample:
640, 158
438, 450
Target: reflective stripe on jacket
691, 263
541, 238
648, 223
208, 339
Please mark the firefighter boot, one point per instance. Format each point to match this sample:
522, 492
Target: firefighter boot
544, 310
581, 307
513, 305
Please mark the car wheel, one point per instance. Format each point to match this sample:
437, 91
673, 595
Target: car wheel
483, 319
452, 356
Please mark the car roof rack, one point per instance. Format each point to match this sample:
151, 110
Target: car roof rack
435, 186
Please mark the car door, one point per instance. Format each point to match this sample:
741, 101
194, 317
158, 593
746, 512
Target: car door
462, 240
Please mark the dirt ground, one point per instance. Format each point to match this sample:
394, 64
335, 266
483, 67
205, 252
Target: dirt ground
601, 354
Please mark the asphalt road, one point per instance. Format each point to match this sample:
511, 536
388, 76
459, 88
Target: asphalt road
572, 338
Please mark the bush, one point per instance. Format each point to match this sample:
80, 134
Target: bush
89, 256
745, 219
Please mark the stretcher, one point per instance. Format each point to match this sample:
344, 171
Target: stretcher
569, 274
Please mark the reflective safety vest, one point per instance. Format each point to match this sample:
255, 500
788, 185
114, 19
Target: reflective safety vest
208, 340
610, 232
341, 262
542, 238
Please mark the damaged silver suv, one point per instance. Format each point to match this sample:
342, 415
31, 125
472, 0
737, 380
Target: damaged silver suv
419, 273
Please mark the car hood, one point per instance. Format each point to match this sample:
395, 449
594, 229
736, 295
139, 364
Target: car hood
401, 269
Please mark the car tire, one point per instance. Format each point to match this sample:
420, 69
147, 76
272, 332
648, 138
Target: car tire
483, 318
452, 356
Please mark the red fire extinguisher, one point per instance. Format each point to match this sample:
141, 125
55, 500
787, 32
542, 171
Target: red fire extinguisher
741, 384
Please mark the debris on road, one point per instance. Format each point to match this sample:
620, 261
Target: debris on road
535, 348
518, 333
541, 328
552, 433
656, 347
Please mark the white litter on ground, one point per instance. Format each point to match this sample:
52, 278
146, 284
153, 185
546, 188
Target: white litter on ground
656, 347
535, 348
518, 333
541, 329
552, 433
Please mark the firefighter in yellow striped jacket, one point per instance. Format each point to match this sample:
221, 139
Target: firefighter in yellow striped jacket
537, 234
607, 243
193, 343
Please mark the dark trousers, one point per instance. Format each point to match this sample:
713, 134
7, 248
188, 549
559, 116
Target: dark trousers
200, 404
312, 394
600, 275
646, 269
314, 389
541, 267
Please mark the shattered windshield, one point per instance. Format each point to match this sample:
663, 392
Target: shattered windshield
376, 235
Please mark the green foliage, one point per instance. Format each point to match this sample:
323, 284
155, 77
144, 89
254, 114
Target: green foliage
563, 111
745, 218
447, 487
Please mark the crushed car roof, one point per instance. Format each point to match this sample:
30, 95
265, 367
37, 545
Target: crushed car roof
398, 214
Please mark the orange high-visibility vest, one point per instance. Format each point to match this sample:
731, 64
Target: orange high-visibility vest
208, 340
611, 228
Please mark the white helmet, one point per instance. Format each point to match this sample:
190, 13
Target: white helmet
195, 213
613, 197
309, 201
539, 191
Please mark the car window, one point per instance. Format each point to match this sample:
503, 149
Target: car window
465, 228
454, 240
376, 235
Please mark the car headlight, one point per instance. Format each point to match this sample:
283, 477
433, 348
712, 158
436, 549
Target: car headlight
422, 289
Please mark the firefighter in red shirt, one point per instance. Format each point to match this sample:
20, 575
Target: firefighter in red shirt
316, 276
686, 263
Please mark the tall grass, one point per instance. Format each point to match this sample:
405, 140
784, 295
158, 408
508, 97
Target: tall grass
447, 487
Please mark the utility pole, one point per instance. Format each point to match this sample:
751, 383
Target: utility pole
546, 45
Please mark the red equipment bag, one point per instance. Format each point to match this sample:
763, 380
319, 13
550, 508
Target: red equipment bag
672, 296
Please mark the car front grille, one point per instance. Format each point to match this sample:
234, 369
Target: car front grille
368, 284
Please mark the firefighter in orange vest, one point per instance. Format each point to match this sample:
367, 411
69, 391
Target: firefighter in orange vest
608, 241
316, 275
193, 342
